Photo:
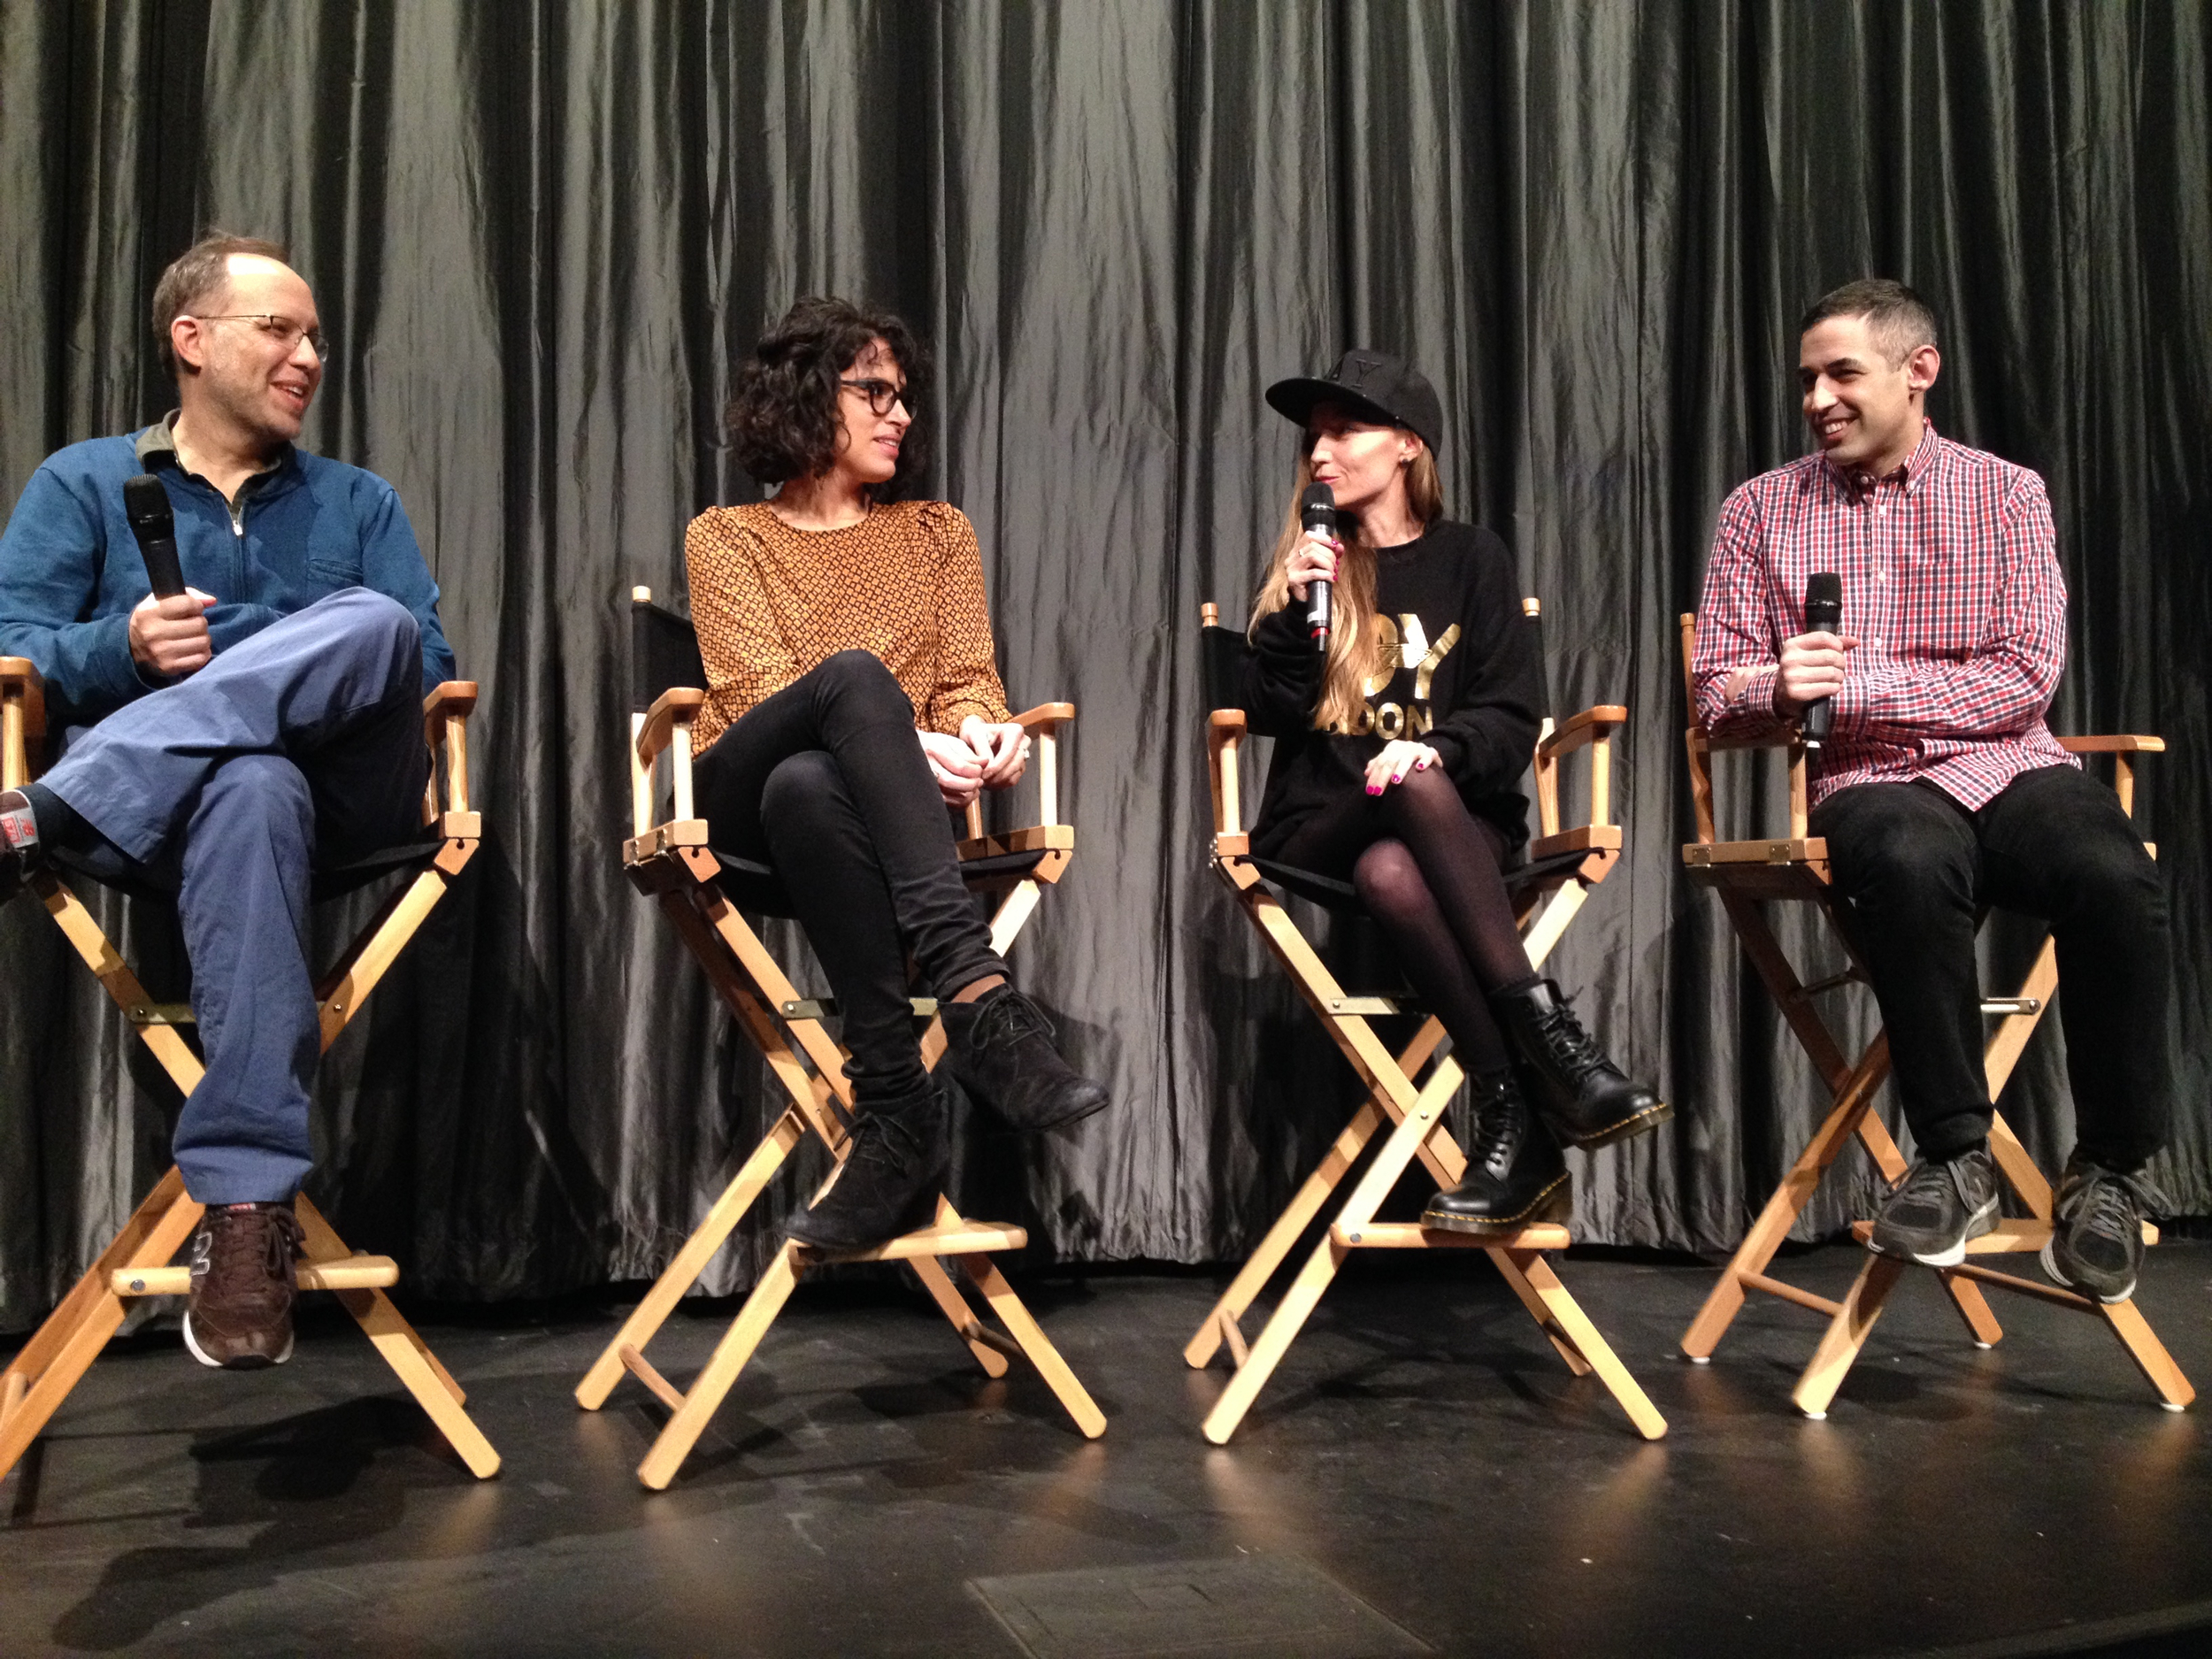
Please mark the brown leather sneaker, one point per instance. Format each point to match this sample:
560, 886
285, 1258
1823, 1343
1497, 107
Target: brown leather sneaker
240, 1317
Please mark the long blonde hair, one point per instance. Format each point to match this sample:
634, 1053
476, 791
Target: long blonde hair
1352, 634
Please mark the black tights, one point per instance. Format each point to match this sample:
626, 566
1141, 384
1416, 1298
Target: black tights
1432, 874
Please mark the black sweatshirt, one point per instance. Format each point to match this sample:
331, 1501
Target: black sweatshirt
1448, 600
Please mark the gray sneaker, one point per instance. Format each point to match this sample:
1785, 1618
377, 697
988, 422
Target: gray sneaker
1939, 1205
2097, 1247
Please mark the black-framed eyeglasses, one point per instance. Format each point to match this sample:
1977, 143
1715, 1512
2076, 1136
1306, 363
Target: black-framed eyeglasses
881, 394
280, 329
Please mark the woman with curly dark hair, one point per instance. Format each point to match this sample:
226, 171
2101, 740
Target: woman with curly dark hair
852, 698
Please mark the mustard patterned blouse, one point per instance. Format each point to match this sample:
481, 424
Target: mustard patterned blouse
770, 602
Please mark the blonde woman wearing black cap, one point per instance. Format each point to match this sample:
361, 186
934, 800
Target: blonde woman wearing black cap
1397, 758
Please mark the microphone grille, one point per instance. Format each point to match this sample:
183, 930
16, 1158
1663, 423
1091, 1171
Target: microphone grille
1316, 496
1824, 587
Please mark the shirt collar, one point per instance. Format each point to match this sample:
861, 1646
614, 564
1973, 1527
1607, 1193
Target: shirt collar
1909, 475
158, 442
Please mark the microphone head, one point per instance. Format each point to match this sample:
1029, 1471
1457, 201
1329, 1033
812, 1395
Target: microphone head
1824, 587
1317, 507
146, 505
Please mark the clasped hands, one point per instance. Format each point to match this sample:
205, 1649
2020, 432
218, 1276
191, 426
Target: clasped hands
985, 756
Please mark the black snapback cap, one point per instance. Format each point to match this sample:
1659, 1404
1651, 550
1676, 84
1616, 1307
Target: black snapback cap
1370, 383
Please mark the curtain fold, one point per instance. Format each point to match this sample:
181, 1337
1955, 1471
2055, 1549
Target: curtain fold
541, 234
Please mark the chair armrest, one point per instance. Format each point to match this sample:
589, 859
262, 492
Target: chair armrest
1593, 728
2120, 746
678, 706
445, 714
1045, 716
1586, 727
2114, 744
1224, 735
22, 718
453, 698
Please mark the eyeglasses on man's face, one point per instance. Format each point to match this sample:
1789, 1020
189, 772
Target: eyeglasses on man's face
881, 394
279, 330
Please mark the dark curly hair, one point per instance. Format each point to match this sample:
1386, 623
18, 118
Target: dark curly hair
783, 423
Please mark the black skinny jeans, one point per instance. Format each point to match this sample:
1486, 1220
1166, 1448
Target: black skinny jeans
826, 783
1913, 866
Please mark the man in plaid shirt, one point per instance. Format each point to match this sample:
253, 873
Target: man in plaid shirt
1940, 788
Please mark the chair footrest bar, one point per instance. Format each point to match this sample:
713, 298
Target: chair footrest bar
2026, 1288
969, 1238
361, 1272
1233, 1333
1789, 1293
643, 1369
1407, 1235
2008, 1238
976, 1331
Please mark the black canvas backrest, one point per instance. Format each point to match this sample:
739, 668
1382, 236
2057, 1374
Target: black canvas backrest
1220, 666
1533, 611
663, 652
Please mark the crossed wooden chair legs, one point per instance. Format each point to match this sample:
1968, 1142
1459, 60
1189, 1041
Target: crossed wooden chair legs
784, 1025
41, 1375
1852, 1088
1415, 1111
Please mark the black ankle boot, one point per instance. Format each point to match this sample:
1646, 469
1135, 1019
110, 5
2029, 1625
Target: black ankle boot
1579, 1093
1514, 1175
1000, 1046
890, 1179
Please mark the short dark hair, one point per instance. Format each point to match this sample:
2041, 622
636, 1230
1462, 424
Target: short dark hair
199, 270
1899, 320
783, 421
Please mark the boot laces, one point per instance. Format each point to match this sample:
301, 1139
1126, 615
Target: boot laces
1006, 1019
1563, 1036
1499, 1114
886, 1139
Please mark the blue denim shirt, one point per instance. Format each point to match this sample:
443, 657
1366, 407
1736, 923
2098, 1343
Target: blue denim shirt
71, 573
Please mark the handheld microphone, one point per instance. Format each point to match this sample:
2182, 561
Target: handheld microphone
146, 505
1316, 511
1824, 614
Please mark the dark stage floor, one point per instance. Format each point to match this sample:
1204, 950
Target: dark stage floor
865, 1491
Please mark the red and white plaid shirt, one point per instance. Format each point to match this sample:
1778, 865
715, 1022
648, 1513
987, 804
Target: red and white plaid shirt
1950, 585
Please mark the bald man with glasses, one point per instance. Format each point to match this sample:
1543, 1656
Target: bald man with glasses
223, 742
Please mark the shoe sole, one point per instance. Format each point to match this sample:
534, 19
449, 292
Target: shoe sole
1090, 1108
2050, 1267
251, 1362
1556, 1202
1627, 1129
1982, 1221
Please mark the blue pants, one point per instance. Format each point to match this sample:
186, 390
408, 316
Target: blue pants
302, 744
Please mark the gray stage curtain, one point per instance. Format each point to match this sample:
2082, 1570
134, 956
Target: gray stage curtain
540, 235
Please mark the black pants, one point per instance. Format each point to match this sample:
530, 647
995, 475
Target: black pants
1914, 867
826, 783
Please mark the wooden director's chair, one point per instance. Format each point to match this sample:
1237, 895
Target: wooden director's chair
1548, 889
41, 1375
1746, 874
702, 892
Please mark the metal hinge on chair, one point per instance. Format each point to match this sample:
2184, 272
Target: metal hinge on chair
2011, 1005
825, 1007
159, 1014
1368, 1005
